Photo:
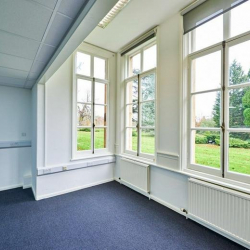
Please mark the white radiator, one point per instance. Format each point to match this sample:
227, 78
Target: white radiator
222, 209
135, 175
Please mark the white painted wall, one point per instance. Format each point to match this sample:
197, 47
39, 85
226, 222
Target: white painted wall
54, 134
15, 119
167, 187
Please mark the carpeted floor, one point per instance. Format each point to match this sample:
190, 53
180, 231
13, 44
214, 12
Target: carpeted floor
109, 216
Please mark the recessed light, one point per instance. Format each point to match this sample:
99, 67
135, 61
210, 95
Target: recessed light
113, 13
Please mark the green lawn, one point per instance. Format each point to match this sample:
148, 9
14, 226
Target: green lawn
205, 154
147, 143
209, 155
84, 140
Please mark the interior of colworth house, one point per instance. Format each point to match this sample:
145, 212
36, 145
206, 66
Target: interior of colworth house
124, 124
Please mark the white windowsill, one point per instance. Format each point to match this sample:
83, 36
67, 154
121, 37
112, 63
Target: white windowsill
228, 183
93, 156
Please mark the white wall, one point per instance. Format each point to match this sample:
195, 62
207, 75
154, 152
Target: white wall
15, 122
167, 187
54, 134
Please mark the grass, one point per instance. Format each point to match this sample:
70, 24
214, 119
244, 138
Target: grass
205, 154
209, 155
84, 140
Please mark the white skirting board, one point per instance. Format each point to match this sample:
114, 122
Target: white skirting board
10, 187
64, 182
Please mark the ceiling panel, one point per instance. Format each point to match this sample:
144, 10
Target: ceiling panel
25, 18
13, 73
66, 7
33, 75
30, 32
45, 53
58, 29
48, 3
18, 46
37, 66
12, 81
13, 62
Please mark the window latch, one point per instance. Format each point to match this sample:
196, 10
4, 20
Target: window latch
223, 127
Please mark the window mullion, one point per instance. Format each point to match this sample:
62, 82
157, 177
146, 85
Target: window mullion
139, 118
223, 108
93, 116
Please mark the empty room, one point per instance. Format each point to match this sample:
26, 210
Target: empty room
124, 124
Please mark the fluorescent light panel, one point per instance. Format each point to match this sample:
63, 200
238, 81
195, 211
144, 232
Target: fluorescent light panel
113, 13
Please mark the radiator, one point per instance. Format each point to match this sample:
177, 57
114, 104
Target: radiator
135, 175
222, 209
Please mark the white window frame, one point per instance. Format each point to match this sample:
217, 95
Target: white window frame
138, 77
190, 165
92, 152
186, 128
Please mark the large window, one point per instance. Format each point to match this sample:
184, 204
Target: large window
91, 108
218, 94
140, 102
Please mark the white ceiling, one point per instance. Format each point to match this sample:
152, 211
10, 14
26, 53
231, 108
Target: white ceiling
30, 33
136, 18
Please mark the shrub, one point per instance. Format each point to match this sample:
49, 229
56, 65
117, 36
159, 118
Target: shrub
211, 137
217, 142
200, 139
134, 133
84, 129
238, 143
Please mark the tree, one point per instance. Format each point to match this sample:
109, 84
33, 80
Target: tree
147, 93
236, 107
246, 105
216, 110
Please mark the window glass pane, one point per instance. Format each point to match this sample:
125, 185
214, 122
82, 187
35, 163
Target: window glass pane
206, 149
132, 91
149, 58
148, 114
239, 108
132, 115
83, 139
206, 110
82, 64
239, 153
206, 72
135, 65
148, 141
99, 68
83, 90
148, 87
83, 115
239, 63
100, 115
240, 19
208, 34
131, 139
100, 93
100, 138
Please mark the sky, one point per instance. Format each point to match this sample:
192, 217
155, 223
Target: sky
208, 67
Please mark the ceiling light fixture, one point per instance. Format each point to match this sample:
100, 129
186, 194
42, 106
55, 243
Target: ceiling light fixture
113, 13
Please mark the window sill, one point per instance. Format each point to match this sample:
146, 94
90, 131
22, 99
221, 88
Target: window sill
227, 183
93, 156
137, 158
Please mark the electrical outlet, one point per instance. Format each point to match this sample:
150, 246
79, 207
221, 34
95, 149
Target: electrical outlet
23, 134
64, 168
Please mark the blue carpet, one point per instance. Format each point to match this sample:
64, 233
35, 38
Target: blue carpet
109, 216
